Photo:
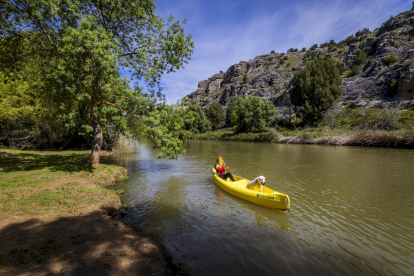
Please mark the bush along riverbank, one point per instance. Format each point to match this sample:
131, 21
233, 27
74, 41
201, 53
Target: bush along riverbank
58, 218
320, 136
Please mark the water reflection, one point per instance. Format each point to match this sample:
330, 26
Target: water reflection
351, 209
264, 217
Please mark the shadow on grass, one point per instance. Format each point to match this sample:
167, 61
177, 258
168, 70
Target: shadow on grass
21, 161
92, 244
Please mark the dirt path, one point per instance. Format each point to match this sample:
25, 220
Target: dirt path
90, 244
56, 219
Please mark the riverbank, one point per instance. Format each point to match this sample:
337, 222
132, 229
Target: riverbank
320, 136
57, 217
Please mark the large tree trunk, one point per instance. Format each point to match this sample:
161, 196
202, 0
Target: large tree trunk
97, 136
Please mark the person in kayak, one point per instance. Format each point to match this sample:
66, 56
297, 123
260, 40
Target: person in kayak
221, 169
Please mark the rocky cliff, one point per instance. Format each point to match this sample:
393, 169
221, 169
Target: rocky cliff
378, 71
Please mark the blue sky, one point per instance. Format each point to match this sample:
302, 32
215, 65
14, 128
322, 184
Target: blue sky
226, 32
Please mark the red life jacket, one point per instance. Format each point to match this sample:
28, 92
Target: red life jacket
221, 169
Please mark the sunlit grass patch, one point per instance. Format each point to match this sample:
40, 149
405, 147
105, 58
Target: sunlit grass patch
40, 183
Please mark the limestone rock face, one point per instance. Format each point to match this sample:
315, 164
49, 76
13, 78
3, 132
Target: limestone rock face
386, 80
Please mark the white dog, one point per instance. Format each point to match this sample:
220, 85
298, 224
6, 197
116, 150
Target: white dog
257, 183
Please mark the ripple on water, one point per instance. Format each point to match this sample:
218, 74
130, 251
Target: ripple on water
342, 218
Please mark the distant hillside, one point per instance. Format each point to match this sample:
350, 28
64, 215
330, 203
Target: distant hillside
378, 71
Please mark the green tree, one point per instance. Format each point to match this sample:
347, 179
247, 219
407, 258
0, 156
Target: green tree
315, 88
230, 114
164, 127
195, 120
253, 114
83, 44
215, 115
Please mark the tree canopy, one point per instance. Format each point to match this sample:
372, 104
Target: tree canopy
215, 115
80, 46
315, 88
253, 114
195, 120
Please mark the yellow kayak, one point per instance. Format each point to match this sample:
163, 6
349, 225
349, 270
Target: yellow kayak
268, 197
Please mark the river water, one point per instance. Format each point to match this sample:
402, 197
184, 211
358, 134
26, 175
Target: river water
351, 211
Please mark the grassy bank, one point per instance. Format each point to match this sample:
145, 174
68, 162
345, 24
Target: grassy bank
56, 218
54, 183
319, 135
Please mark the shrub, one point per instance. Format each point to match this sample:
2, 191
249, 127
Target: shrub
390, 59
215, 115
367, 119
315, 88
405, 119
253, 114
361, 58
409, 63
355, 70
195, 120
230, 114
362, 32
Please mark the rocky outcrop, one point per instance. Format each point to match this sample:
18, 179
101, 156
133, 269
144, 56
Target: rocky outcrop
385, 80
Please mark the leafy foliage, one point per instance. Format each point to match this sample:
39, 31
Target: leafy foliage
361, 58
253, 114
195, 120
79, 47
313, 47
230, 113
390, 59
164, 127
315, 88
215, 115
374, 119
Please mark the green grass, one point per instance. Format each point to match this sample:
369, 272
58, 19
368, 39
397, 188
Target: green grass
367, 126
40, 183
229, 134
375, 119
